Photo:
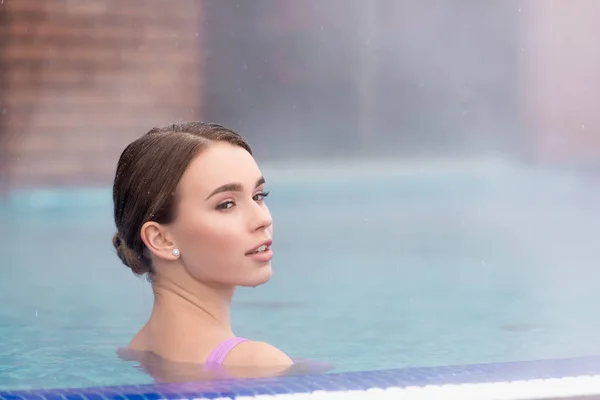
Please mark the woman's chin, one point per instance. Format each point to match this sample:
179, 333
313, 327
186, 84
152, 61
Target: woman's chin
259, 276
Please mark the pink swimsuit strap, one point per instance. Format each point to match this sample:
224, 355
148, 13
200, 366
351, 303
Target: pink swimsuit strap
217, 356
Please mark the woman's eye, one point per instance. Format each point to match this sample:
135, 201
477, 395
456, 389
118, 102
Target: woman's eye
225, 205
261, 196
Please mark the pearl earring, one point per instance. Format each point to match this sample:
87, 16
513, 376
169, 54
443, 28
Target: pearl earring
175, 252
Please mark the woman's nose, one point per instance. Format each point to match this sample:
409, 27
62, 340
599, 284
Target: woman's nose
262, 218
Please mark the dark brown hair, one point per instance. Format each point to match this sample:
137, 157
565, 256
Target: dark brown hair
146, 180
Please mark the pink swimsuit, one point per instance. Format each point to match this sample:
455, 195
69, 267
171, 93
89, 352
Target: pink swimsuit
217, 356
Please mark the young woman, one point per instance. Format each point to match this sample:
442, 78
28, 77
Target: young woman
189, 207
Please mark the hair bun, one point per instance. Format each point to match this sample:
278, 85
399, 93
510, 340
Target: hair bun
129, 257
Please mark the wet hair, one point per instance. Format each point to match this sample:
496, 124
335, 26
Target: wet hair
146, 179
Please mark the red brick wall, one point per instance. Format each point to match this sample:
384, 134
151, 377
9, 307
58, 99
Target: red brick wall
80, 79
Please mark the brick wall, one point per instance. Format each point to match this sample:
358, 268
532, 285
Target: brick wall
80, 79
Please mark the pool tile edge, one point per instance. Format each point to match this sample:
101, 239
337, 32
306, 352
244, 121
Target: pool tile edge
377, 381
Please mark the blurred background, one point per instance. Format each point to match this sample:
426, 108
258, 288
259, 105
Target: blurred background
425, 264
303, 80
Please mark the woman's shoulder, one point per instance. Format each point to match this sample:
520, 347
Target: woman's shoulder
260, 354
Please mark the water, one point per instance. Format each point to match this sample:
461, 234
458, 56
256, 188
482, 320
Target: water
417, 269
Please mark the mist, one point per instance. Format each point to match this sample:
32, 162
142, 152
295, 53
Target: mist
426, 152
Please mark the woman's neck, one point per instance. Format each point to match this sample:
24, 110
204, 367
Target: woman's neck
193, 303
188, 320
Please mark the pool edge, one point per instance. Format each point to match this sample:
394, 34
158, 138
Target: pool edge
470, 375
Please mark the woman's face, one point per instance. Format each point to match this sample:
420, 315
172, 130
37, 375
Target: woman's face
222, 219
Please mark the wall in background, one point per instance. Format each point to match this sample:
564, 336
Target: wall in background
81, 79
560, 80
302, 80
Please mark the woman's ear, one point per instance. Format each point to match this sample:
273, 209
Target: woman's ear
157, 240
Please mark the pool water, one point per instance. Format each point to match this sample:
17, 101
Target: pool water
375, 272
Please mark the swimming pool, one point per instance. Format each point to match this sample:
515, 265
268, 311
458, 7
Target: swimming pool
397, 268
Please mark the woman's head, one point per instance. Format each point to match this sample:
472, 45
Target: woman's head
190, 196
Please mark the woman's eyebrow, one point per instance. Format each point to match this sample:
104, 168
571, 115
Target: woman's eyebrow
234, 187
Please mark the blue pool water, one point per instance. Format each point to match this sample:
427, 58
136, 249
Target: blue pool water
388, 271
